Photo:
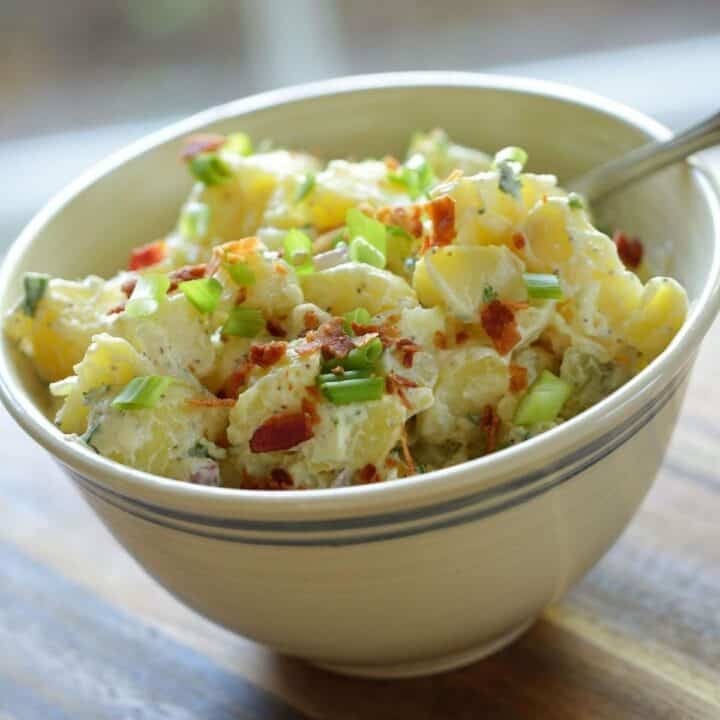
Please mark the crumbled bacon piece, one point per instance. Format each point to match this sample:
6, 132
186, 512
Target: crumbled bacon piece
185, 273
387, 332
311, 321
236, 380
490, 424
368, 474
240, 296
442, 213
330, 337
212, 402
408, 349
498, 321
116, 309
395, 385
440, 340
461, 337
128, 286
281, 431
518, 240
310, 410
279, 479
518, 378
147, 255
629, 249
201, 143
406, 451
409, 218
267, 354
275, 328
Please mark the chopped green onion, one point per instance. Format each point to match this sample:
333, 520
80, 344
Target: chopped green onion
243, 322
306, 187
147, 295
514, 156
210, 168
543, 401
142, 392
359, 315
415, 176
344, 392
204, 293
347, 375
241, 273
509, 181
194, 220
543, 286
399, 232
298, 251
489, 294
363, 357
575, 201
239, 143
370, 230
362, 251
34, 285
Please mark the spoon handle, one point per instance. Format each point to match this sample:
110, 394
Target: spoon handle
646, 159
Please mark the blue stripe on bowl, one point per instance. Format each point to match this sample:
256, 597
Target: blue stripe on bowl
553, 475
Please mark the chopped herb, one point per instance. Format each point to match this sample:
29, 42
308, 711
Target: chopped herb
347, 375
344, 392
34, 285
543, 286
241, 273
243, 322
509, 181
362, 251
298, 251
415, 176
396, 231
149, 292
203, 293
142, 392
489, 294
359, 225
210, 168
199, 450
513, 156
543, 401
575, 201
306, 187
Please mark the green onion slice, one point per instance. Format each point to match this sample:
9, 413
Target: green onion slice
415, 176
239, 143
575, 201
543, 401
543, 286
363, 357
142, 392
298, 251
203, 293
514, 156
347, 375
344, 392
194, 220
306, 187
362, 251
34, 285
359, 225
243, 322
210, 168
241, 273
149, 292
359, 315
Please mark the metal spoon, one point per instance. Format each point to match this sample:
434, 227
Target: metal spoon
642, 161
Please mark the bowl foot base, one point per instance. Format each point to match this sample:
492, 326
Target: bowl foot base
430, 666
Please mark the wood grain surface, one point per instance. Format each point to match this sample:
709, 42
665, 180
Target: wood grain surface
85, 635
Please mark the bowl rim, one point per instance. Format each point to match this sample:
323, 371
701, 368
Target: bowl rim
405, 492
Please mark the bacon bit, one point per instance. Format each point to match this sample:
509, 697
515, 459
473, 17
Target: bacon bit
490, 424
440, 340
281, 431
240, 296
183, 274
275, 328
408, 349
629, 249
368, 474
391, 163
395, 385
391, 462
147, 255
212, 402
498, 321
267, 354
518, 378
406, 451
116, 309
461, 337
313, 391
409, 218
515, 306
279, 479
236, 380
386, 332
201, 143
128, 286
280, 268
442, 214
518, 240
310, 410
311, 321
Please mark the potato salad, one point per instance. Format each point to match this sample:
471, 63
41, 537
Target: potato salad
312, 324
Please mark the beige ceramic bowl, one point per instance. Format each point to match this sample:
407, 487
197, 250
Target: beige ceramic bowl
426, 573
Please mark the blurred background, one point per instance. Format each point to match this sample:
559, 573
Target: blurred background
81, 78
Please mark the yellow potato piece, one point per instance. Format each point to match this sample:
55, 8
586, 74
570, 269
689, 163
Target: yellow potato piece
548, 239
